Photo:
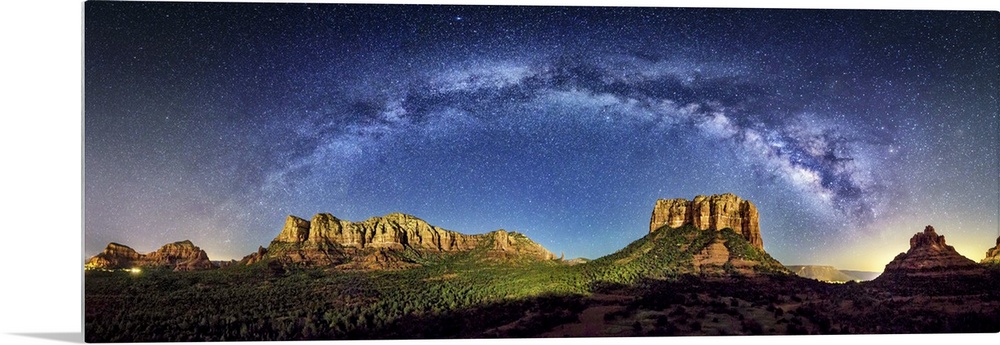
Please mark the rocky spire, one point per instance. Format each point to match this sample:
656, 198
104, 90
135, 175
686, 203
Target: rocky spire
930, 256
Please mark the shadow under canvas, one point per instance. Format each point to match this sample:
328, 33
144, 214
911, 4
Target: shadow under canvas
69, 337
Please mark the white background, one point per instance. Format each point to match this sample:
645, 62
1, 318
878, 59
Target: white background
42, 163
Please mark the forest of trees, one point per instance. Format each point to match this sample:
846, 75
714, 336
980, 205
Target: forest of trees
257, 303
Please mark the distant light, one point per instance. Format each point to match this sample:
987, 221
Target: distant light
135, 270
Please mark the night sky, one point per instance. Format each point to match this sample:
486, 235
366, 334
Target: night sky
849, 130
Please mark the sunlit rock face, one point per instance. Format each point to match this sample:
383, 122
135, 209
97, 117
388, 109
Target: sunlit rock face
714, 212
394, 231
326, 240
178, 256
993, 255
930, 256
114, 256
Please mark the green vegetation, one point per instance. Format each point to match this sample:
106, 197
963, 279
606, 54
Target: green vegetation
740, 248
262, 302
481, 294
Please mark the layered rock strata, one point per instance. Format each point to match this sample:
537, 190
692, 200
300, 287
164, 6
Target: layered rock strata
714, 212
384, 242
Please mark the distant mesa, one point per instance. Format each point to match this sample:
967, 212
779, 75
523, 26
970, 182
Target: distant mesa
862, 275
830, 273
929, 256
714, 212
823, 273
395, 241
225, 263
178, 256
993, 255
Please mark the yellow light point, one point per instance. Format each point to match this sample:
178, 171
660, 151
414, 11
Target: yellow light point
135, 270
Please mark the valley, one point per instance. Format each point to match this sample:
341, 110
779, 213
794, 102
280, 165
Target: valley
397, 277
459, 299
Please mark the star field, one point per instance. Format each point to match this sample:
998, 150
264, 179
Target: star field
849, 130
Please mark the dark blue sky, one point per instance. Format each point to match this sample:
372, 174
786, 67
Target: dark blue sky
850, 130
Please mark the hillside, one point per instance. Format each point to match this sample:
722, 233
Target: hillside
670, 252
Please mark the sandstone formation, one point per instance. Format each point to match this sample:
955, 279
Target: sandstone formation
993, 255
179, 256
714, 212
394, 241
514, 245
394, 231
114, 256
930, 256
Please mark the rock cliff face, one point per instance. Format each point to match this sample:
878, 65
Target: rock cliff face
179, 256
993, 255
391, 242
714, 212
930, 256
394, 231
